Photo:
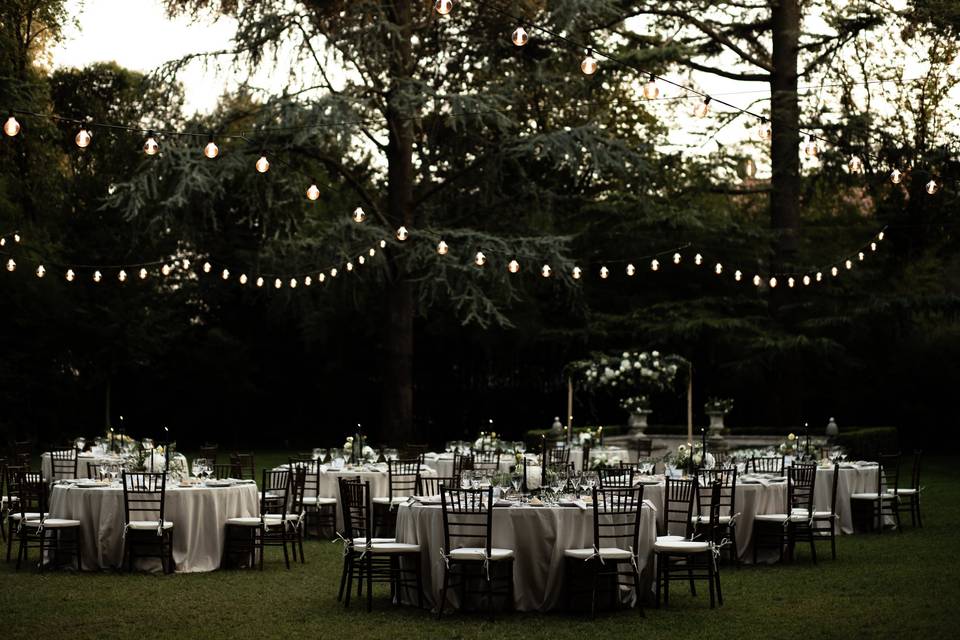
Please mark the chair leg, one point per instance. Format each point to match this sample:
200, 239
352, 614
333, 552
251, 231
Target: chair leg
813, 548
596, 587
286, 555
716, 576
666, 581
369, 563
693, 585
490, 603
9, 538
351, 564
443, 592
343, 577
734, 549
636, 589
419, 573
710, 569
656, 587
916, 502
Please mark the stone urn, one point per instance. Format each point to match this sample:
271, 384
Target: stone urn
716, 430
637, 422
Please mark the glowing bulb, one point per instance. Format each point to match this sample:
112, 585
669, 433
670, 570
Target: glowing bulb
383, 244
631, 269
443, 7
211, 150
757, 281
896, 176
277, 283
122, 276
402, 234
479, 259
819, 276
70, 275
206, 267
676, 258
791, 282
150, 146
806, 281
773, 283
41, 271
186, 263
165, 270
333, 272
650, 89
577, 272
313, 192
766, 131
225, 274
834, 271
860, 255
442, 248
703, 108
359, 216
810, 149
932, 187
11, 127
855, 165
589, 64
260, 281
848, 264
263, 165
83, 138
321, 277
520, 36
307, 281
654, 264
748, 168
372, 252
11, 265
361, 259
545, 271
873, 246
293, 283
880, 236
604, 273
143, 274
349, 266
3, 242
698, 259
97, 276
243, 278
718, 269
513, 267
738, 275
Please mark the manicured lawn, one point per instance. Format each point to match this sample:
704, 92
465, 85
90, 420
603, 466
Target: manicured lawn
894, 585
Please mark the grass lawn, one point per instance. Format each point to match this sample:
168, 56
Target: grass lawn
896, 585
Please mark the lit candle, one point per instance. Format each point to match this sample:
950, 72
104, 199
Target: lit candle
703, 451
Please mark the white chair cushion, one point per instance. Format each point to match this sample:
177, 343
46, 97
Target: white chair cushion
245, 521
478, 554
147, 525
706, 519
276, 517
52, 523
314, 501
670, 538
680, 546
771, 517
606, 553
903, 491
30, 516
394, 547
398, 500
362, 542
804, 514
871, 496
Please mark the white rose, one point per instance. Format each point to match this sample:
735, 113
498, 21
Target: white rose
626, 354
655, 354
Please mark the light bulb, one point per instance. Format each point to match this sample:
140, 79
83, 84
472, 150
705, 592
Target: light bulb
361, 259
810, 148
263, 165
819, 276
520, 36
3, 242
97, 276
211, 150
650, 89
165, 270
757, 281
372, 252
225, 274
718, 269
860, 255
932, 187
41, 271
848, 264
11, 127
631, 270
738, 275
16, 237
293, 283
260, 281
11, 265
589, 64
873, 246
698, 259
604, 273
773, 283
654, 264
791, 282
321, 277
277, 283
577, 272
896, 176
383, 244
186, 264
307, 281
806, 281
676, 258
122, 276
748, 168
402, 234
834, 271
766, 131
243, 278
333, 272
479, 259
545, 271
880, 236
359, 216
855, 165
313, 192
83, 138
443, 7
703, 108
150, 146
143, 274
206, 267
349, 266
70, 275
442, 248
513, 267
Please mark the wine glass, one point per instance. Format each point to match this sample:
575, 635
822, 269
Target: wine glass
199, 467
391, 454
316, 453
80, 443
515, 481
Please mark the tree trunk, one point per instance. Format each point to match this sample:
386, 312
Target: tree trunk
398, 368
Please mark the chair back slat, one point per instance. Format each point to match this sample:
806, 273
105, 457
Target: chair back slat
616, 517
403, 477
144, 495
678, 499
615, 478
467, 518
355, 504
726, 479
767, 464
242, 466
63, 464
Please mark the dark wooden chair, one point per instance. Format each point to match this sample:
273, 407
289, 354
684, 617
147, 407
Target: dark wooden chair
36, 529
403, 476
726, 525
615, 478
767, 464
883, 501
430, 485
616, 540
908, 498
679, 495
320, 512
63, 465
11, 503
784, 530
468, 520
147, 534
248, 536
243, 467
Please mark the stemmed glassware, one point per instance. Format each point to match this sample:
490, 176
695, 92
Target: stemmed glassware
520, 447
200, 468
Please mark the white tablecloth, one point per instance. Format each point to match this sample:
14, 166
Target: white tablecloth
83, 461
199, 515
538, 535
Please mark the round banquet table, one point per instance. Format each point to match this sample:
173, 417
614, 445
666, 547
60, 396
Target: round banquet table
538, 535
84, 460
764, 495
199, 515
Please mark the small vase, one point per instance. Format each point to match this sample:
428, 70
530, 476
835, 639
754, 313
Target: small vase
638, 423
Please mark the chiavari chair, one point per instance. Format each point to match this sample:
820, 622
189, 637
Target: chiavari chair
468, 520
22, 453
147, 534
209, 452
243, 467
784, 530
766, 464
616, 541
691, 560
248, 535
373, 560
883, 501
678, 500
411, 451
615, 478
221, 470
402, 479
430, 485
320, 510
644, 448
726, 527
42, 533
908, 498
12, 515
294, 515
488, 461
826, 523
63, 465
4, 505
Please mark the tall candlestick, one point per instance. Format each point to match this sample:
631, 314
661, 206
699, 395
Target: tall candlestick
703, 446
569, 409
690, 405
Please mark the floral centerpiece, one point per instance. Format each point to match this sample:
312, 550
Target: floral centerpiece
363, 453
788, 446
677, 462
488, 441
604, 460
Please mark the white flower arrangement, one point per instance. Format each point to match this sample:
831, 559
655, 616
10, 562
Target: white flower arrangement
636, 373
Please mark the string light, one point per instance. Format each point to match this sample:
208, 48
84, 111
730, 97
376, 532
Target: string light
206, 267
896, 176
359, 216
361, 259
589, 64
262, 165
307, 281
165, 269
443, 7
83, 138
150, 146
676, 258
654, 264
211, 150
313, 192
277, 283
293, 283
855, 166
703, 108
738, 275
349, 266
383, 244
321, 277
143, 273
225, 274
766, 131
806, 281
333, 272
718, 269
650, 89
604, 273
577, 272
932, 187
873, 246
848, 264
810, 148
243, 278
513, 267
880, 236
402, 234
122, 276
834, 271
756, 281
97, 276
698, 259
372, 252
631, 270
16, 237
860, 255
186, 264
545, 271
11, 265
519, 36
479, 259
260, 281
41, 271
819, 276
11, 127
70, 275
773, 282
442, 248
791, 282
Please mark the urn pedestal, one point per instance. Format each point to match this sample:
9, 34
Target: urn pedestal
715, 439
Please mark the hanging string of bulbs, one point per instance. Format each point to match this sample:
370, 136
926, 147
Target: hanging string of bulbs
589, 65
